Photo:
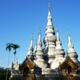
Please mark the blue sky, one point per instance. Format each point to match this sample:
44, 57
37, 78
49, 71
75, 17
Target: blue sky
22, 20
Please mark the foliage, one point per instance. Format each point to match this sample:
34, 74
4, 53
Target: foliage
9, 47
78, 72
13, 46
3, 73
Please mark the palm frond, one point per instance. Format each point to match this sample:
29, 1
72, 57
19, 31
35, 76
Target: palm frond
15, 46
8, 46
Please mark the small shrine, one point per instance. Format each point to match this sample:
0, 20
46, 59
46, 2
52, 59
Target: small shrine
28, 69
68, 69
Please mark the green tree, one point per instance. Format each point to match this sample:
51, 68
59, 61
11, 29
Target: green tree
3, 73
15, 47
8, 48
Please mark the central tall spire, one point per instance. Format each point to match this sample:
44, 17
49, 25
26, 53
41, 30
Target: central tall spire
49, 7
50, 37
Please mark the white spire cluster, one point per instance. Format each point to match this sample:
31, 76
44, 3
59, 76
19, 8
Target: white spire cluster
49, 57
53, 52
71, 51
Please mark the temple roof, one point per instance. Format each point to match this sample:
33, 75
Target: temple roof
68, 62
28, 63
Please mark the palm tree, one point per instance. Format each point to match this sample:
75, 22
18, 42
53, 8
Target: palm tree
15, 47
8, 47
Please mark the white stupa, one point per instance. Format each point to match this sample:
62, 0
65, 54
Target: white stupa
59, 49
15, 65
39, 60
59, 53
50, 37
71, 51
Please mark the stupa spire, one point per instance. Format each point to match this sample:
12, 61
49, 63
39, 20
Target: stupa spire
39, 40
50, 37
70, 45
39, 46
59, 48
71, 51
49, 8
57, 36
30, 50
59, 53
39, 60
49, 18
